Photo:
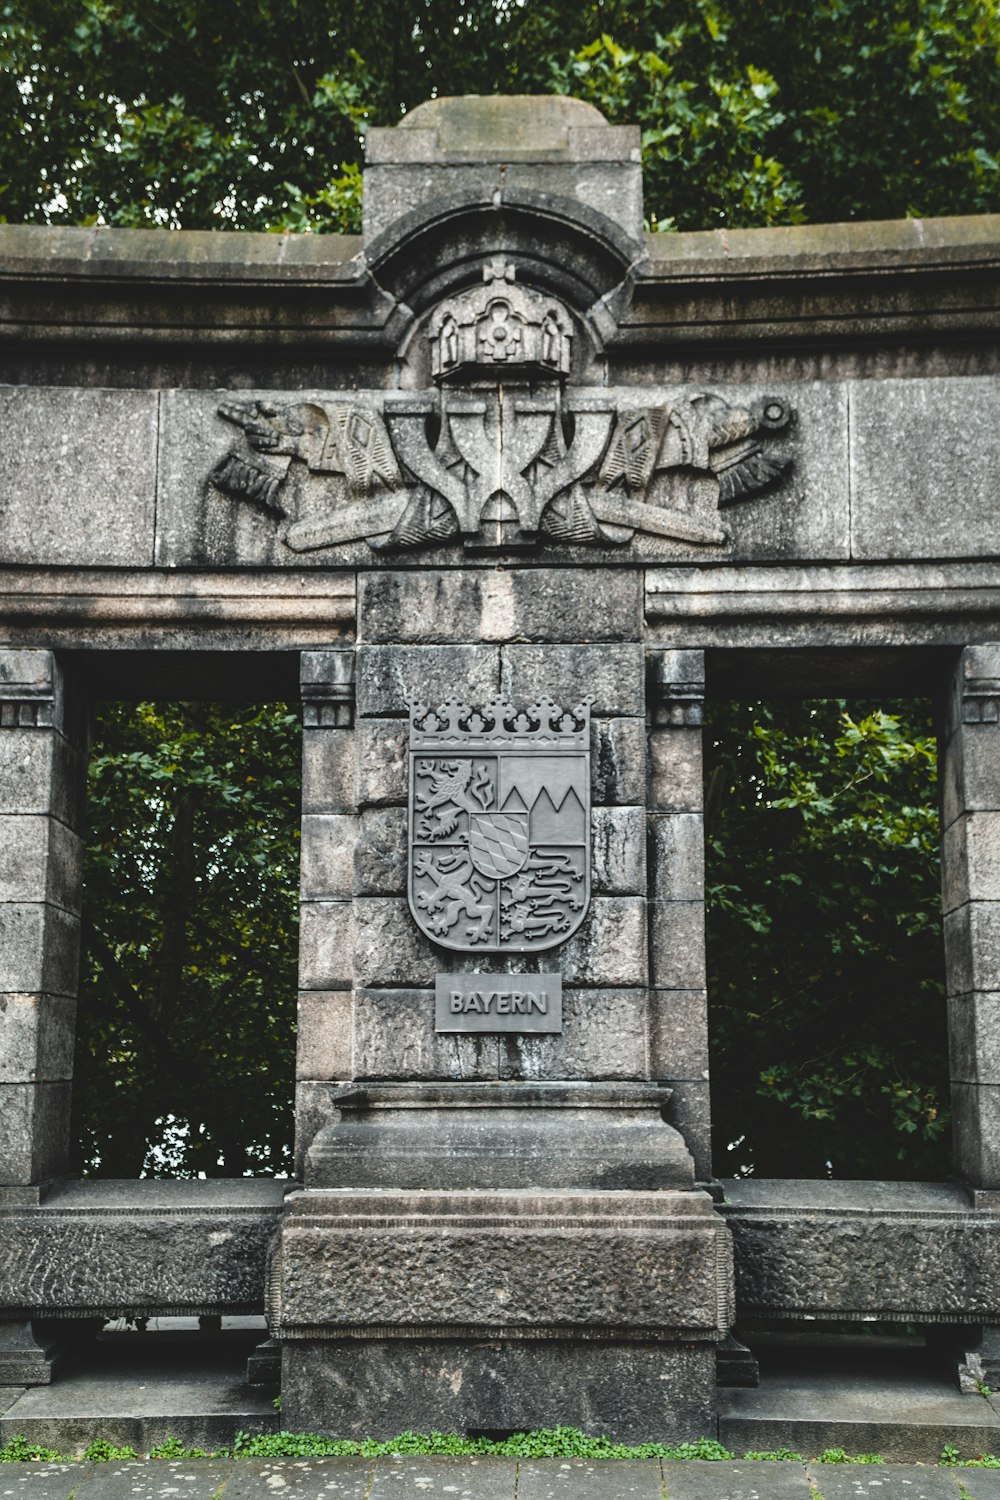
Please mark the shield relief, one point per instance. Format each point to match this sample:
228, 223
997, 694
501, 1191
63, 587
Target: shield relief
499, 824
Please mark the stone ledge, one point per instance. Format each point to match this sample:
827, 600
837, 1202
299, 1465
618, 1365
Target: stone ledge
151, 1248
899, 1252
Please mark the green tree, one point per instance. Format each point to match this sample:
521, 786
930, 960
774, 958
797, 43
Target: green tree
186, 1036
829, 1049
247, 114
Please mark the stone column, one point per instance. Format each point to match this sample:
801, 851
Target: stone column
41, 772
970, 872
326, 937
676, 834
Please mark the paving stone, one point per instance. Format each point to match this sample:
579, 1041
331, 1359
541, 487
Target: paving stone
156, 1479
978, 1484
458, 1478
699, 1479
42, 1481
267, 1478
600, 1479
881, 1482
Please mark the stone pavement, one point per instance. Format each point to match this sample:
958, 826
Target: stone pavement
488, 1479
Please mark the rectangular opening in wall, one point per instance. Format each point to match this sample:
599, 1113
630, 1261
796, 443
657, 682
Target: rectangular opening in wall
829, 1052
186, 1028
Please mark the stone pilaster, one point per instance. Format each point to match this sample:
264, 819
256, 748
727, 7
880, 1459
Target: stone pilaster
329, 834
41, 771
970, 871
676, 836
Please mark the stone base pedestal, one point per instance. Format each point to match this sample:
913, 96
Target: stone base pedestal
28, 1354
632, 1391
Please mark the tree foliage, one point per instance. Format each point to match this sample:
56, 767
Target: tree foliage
248, 114
829, 1049
186, 1035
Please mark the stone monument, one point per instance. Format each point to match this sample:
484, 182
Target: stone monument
502, 489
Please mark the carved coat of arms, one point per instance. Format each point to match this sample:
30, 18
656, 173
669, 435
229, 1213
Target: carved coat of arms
499, 842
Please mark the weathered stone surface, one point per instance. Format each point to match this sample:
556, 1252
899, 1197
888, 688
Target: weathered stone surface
677, 857
576, 1479
37, 1034
501, 605
389, 675
495, 1136
261, 1479
39, 948
847, 1483
610, 946
382, 766
618, 851
604, 1035
394, 1037
618, 761
915, 442
195, 522
128, 1247
35, 773
974, 1038
465, 1478
675, 770
325, 1031
976, 1113
678, 1034
807, 513
326, 945
970, 857
380, 853
697, 1479
43, 1481
78, 472
313, 1111
160, 1479
34, 1126
612, 675
677, 945
972, 947
690, 1112
607, 1263
328, 771
389, 947
40, 860
327, 855
378, 1388
903, 1252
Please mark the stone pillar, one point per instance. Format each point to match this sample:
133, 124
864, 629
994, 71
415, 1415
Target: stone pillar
41, 773
970, 873
326, 938
676, 834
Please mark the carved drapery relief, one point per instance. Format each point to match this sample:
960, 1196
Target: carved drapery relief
502, 453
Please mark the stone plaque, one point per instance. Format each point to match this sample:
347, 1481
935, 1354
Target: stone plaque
498, 1002
499, 857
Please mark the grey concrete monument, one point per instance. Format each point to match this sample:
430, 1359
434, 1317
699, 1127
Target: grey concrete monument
503, 489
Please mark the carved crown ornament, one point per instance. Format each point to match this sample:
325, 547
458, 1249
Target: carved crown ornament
502, 452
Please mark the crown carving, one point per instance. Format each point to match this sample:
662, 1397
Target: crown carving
500, 329
455, 725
